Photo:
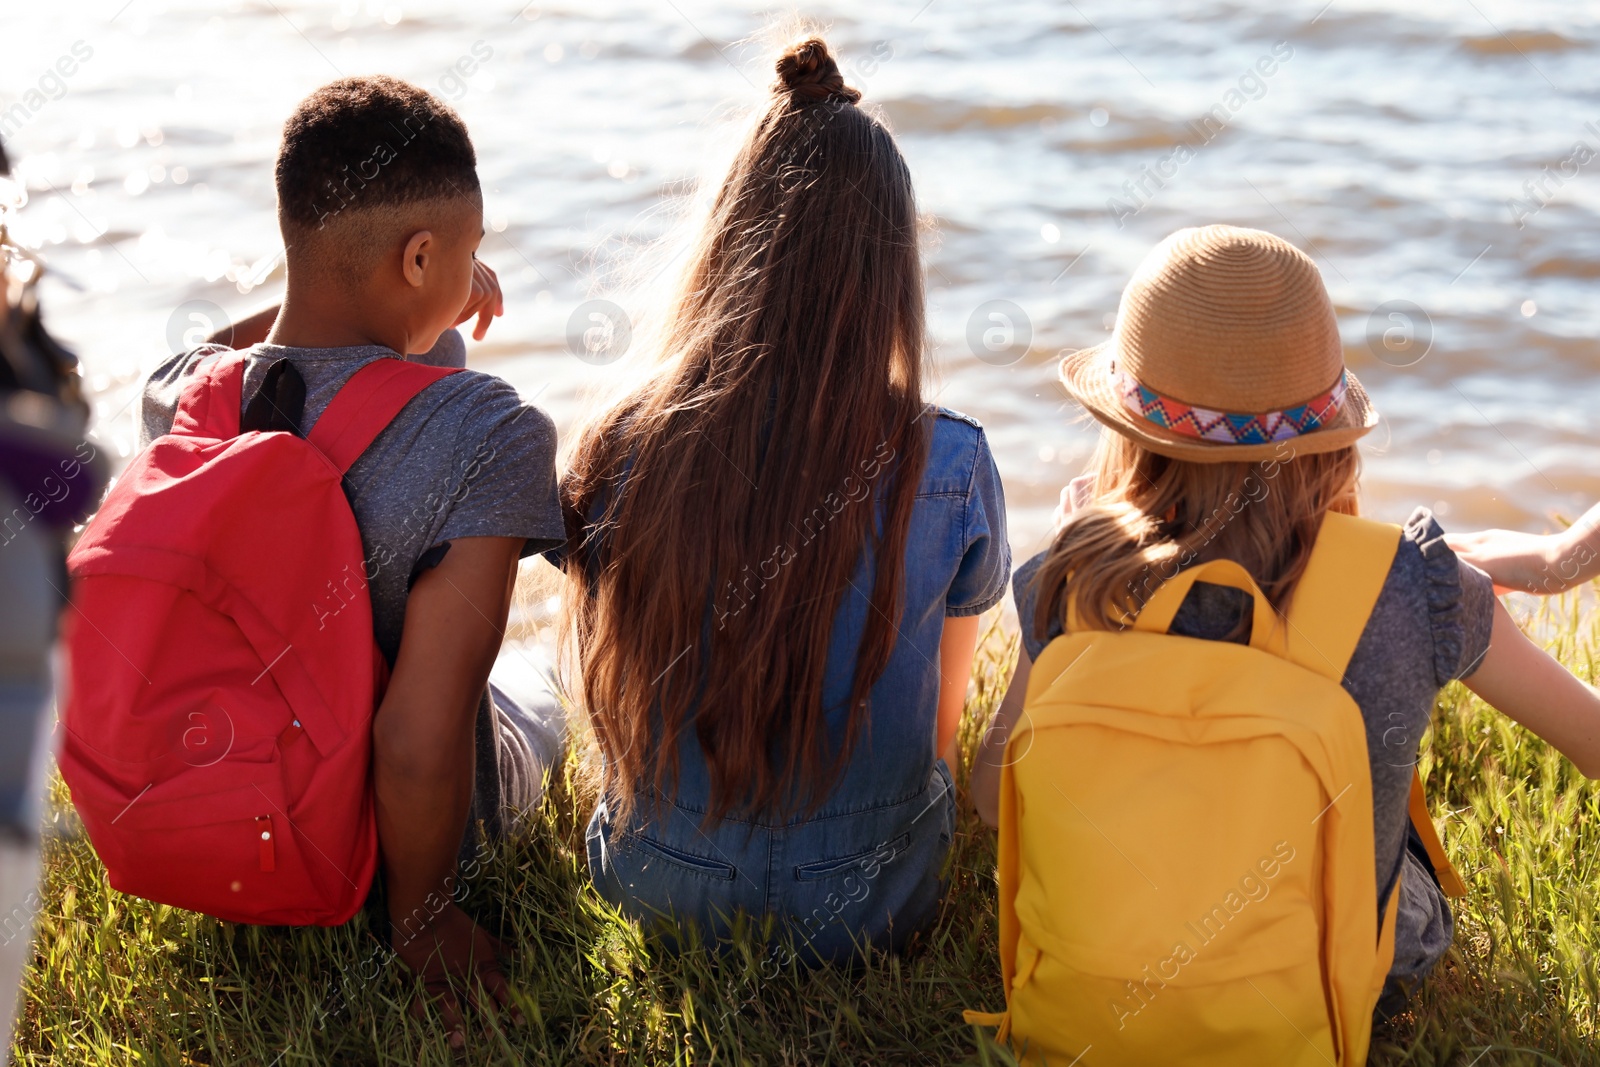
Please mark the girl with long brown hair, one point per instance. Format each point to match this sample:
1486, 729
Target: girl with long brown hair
1230, 434
778, 552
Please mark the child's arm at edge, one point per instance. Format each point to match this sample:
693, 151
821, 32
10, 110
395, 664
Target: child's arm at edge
1534, 563
1522, 680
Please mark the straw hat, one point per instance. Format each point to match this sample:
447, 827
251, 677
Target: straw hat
1226, 349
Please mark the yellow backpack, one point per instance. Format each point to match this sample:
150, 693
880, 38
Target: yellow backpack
1186, 856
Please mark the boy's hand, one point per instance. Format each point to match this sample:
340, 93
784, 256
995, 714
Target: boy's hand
1528, 563
485, 300
456, 956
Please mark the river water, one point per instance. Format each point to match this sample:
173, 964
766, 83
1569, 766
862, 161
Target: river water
1433, 156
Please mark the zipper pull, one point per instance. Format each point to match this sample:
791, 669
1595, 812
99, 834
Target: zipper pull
269, 855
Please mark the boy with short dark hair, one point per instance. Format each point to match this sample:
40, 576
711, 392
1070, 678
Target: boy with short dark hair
381, 214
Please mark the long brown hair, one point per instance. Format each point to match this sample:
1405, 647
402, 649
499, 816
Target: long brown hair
786, 406
1151, 516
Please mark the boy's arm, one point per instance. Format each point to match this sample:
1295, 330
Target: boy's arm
1520, 679
1531, 563
422, 737
484, 301
248, 331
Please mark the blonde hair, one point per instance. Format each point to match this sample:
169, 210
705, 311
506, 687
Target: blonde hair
1151, 516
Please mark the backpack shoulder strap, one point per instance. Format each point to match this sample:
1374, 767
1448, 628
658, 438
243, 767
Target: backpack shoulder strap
1336, 594
210, 404
366, 405
1331, 605
1450, 879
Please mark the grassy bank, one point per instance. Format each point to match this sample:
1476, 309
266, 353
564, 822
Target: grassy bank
118, 980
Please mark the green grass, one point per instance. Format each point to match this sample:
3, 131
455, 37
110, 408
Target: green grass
118, 980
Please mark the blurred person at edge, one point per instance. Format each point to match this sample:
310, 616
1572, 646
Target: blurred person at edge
50, 478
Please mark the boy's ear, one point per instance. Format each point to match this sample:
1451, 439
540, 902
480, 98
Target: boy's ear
419, 248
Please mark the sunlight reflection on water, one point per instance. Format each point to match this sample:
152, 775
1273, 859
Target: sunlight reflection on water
1392, 141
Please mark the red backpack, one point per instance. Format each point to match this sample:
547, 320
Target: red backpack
224, 673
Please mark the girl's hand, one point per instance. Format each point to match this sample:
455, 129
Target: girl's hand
1074, 495
1529, 563
485, 300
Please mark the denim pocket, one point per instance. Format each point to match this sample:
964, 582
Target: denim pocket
700, 865
872, 857
947, 824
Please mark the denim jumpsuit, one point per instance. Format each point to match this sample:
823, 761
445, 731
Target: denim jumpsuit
865, 866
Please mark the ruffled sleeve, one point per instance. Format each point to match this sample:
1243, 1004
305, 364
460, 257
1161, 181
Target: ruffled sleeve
1460, 600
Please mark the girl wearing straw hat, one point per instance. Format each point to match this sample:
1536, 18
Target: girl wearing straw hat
1233, 425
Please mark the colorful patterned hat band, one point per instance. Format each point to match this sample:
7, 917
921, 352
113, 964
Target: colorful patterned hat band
1221, 426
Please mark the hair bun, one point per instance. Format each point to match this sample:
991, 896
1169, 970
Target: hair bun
806, 71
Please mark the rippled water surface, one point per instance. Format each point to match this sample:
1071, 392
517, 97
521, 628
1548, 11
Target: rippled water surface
1434, 152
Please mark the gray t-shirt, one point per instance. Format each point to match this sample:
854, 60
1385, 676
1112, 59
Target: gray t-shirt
1430, 626
465, 458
